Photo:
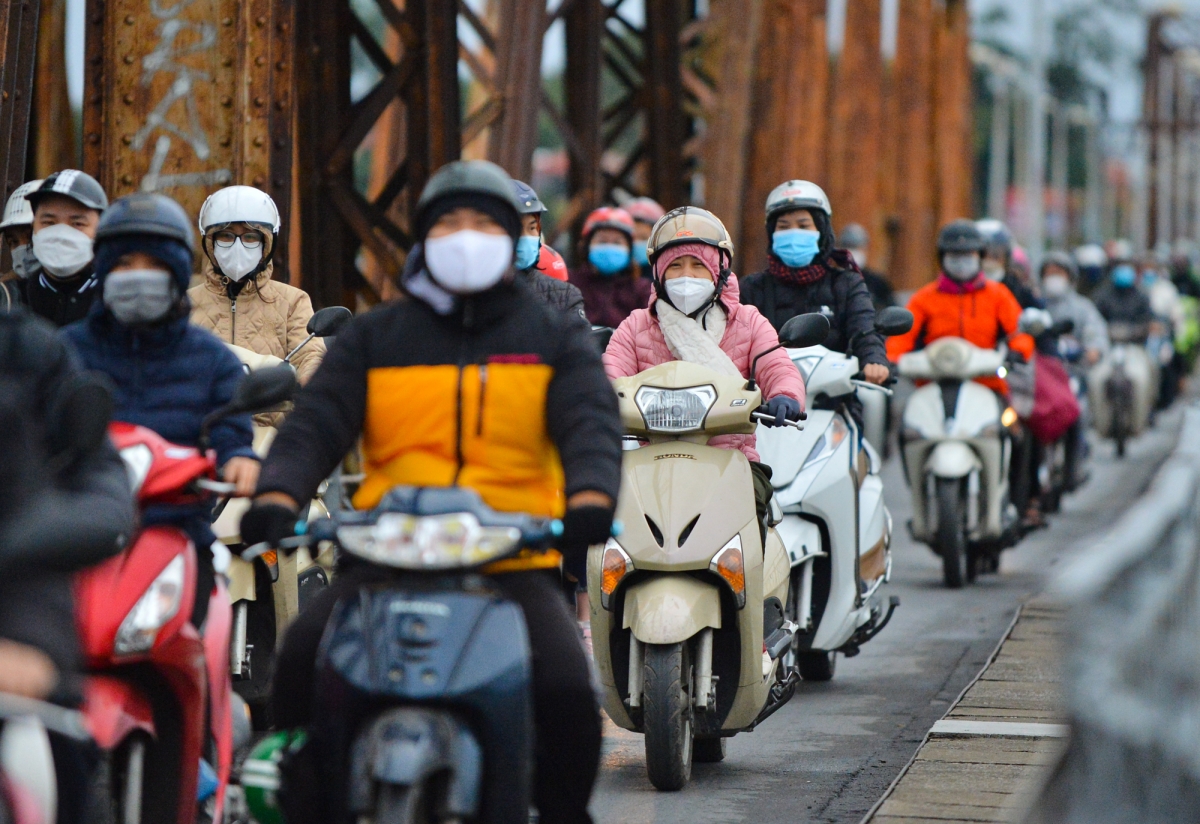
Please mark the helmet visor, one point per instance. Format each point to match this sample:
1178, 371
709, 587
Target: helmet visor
688, 226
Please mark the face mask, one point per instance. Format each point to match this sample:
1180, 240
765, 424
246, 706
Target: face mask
994, 270
528, 250
25, 263
796, 247
961, 267
237, 261
1149, 278
1055, 286
689, 294
639, 253
609, 258
860, 257
139, 297
62, 250
467, 262
1123, 276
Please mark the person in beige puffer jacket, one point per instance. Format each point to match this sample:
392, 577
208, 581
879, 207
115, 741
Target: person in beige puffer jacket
239, 301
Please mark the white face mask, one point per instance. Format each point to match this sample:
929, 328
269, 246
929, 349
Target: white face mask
62, 250
689, 294
961, 267
24, 263
994, 270
468, 261
138, 297
1055, 286
237, 261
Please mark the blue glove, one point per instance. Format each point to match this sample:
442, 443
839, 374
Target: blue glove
782, 409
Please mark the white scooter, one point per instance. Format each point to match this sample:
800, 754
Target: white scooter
834, 524
956, 450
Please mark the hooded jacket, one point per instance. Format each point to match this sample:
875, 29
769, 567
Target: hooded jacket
609, 299
639, 344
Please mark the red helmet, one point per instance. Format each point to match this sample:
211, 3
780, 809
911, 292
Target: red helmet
551, 263
645, 210
608, 217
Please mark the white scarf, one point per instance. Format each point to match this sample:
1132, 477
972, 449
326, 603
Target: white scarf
691, 342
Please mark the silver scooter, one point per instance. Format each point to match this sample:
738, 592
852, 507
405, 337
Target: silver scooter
833, 522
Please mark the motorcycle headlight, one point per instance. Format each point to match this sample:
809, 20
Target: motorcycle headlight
154, 609
730, 564
431, 542
829, 441
138, 460
615, 564
675, 410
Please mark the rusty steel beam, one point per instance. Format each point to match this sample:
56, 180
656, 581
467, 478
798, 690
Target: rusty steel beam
51, 127
952, 130
186, 97
18, 38
513, 136
662, 98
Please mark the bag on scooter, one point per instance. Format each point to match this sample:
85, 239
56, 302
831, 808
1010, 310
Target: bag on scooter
1055, 407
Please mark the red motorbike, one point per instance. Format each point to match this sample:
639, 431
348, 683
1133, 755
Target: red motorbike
158, 696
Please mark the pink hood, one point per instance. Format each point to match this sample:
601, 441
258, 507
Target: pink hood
638, 344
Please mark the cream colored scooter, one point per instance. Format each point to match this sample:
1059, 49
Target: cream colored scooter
687, 606
267, 595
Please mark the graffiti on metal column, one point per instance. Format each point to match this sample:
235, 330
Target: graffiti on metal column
166, 57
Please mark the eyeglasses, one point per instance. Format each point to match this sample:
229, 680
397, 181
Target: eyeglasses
251, 239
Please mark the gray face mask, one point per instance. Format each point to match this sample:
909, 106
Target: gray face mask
25, 264
139, 297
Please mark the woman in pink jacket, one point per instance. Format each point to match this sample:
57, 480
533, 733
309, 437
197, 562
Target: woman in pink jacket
695, 316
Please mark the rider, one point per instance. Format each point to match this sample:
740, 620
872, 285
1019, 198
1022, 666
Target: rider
1119, 300
1092, 261
66, 210
610, 280
1059, 278
471, 382
532, 254
998, 261
167, 374
239, 301
856, 241
695, 316
16, 228
645, 212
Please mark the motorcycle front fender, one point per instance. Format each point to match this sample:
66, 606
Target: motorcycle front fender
670, 609
952, 459
114, 708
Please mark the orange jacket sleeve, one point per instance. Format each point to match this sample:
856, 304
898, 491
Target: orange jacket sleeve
903, 344
1008, 312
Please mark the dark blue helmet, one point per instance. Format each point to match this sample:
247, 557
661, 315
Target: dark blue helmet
528, 199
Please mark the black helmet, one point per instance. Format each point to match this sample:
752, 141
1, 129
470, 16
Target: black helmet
960, 236
530, 203
147, 214
74, 184
853, 236
479, 184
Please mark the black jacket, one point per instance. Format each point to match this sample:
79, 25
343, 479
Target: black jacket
563, 296
841, 295
881, 291
61, 302
393, 360
1123, 305
1024, 295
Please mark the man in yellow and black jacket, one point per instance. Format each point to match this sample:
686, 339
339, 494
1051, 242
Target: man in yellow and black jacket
468, 380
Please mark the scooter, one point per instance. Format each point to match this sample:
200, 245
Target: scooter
956, 449
835, 526
28, 786
1123, 387
267, 595
158, 697
427, 674
687, 604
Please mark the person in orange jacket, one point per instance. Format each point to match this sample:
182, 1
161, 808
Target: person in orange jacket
963, 303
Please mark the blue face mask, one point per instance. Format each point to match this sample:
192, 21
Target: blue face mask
1123, 276
609, 258
528, 250
796, 247
639, 253
1149, 278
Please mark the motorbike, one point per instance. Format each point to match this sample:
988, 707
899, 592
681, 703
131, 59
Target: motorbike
431, 669
157, 698
956, 449
687, 604
28, 786
268, 594
835, 526
1123, 387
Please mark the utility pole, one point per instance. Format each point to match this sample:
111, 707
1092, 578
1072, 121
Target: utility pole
1035, 206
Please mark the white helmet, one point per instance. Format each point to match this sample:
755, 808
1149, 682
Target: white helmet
1091, 256
18, 212
239, 204
797, 194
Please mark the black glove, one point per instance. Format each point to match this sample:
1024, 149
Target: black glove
782, 409
583, 526
268, 523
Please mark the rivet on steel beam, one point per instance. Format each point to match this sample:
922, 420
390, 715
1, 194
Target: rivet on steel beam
227, 62
260, 61
227, 101
130, 20
278, 181
93, 138
128, 99
280, 143
281, 65
128, 59
226, 141
258, 101
97, 99
258, 141
282, 27
259, 182
228, 21
127, 180
280, 105
97, 59
127, 139
4, 95
260, 22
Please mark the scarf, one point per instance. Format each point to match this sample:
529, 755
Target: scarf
813, 272
950, 286
693, 343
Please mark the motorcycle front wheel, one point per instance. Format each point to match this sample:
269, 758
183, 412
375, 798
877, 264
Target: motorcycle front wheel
403, 805
667, 715
952, 531
816, 665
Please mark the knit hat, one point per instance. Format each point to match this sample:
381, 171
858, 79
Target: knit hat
173, 253
710, 256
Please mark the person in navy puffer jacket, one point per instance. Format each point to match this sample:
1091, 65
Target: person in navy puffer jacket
167, 374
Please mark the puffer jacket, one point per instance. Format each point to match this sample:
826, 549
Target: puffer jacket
638, 344
268, 318
559, 294
609, 299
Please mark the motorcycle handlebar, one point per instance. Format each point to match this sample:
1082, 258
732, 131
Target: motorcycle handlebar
763, 416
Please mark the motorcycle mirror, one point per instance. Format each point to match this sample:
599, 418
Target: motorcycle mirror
804, 330
894, 320
83, 412
328, 321
601, 335
262, 389
1063, 327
